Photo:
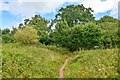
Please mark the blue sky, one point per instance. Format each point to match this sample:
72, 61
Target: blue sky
15, 11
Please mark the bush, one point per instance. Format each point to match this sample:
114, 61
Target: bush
27, 35
91, 35
46, 39
109, 26
6, 39
80, 36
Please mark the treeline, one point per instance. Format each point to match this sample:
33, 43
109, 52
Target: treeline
74, 27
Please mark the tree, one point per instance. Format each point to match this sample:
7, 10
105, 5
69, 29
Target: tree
26, 22
109, 26
40, 24
13, 31
6, 38
27, 35
52, 37
91, 35
107, 19
80, 36
46, 39
37, 22
61, 25
85, 36
21, 26
75, 14
57, 35
5, 31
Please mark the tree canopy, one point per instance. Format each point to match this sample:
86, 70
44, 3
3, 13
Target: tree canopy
75, 14
75, 28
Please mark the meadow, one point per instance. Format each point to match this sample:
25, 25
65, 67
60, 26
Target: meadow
37, 61
93, 64
30, 61
74, 44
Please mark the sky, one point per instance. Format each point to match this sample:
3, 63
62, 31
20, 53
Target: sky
13, 12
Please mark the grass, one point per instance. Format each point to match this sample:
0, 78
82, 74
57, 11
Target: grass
30, 61
38, 61
93, 64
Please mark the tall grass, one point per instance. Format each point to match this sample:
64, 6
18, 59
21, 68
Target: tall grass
30, 61
39, 61
93, 64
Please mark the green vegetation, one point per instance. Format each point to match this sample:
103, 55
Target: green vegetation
45, 62
30, 61
93, 64
81, 31
26, 36
35, 50
73, 13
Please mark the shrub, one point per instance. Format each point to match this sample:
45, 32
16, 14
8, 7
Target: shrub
6, 39
80, 36
109, 26
91, 36
46, 39
27, 35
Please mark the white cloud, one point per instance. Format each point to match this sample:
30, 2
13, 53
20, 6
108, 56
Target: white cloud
49, 0
119, 10
102, 6
0, 5
114, 10
98, 5
29, 7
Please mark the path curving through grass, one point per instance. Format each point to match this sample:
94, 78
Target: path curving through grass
61, 72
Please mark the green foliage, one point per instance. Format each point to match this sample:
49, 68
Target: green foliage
62, 39
80, 36
40, 24
30, 61
45, 39
73, 30
13, 31
37, 22
6, 39
59, 33
61, 25
119, 35
27, 35
51, 38
75, 14
91, 36
109, 26
5, 31
6, 36
107, 19
14, 64
21, 26
93, 64
58, 49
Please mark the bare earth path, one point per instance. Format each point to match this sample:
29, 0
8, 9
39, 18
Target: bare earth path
61, 72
